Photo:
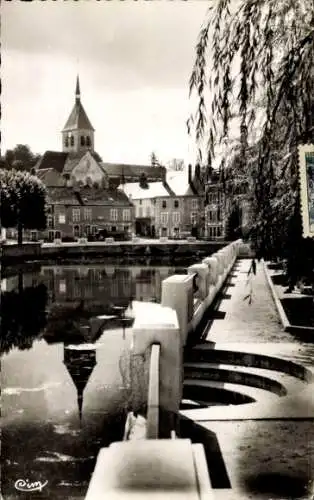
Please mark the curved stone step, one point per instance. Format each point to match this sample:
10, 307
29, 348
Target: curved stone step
289, 382
251, 394
209, 372
207, 353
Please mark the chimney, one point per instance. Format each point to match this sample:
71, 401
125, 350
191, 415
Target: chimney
197, 171
190, 174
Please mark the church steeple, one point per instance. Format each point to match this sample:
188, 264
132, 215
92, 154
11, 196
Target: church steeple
77, 90
78, 133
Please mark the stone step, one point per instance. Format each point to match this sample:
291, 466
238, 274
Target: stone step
290, 383
255, 394
253, 356
206, 371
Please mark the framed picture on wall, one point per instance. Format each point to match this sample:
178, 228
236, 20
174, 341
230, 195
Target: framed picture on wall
306, 166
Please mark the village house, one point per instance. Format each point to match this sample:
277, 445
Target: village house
173, 208
76, 213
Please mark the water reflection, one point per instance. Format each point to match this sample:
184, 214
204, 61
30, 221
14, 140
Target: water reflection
65, 330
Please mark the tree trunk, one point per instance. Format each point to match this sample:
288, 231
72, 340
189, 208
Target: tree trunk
19, 233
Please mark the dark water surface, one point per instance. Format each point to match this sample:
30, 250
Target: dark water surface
64, 373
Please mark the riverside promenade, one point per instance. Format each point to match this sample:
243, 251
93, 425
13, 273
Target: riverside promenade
262, 450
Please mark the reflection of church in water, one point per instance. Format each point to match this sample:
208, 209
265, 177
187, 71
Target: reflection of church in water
80, 364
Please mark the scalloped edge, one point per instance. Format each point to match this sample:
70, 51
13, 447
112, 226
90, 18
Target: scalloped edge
307, 227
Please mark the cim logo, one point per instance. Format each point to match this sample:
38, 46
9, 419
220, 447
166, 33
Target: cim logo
26, 485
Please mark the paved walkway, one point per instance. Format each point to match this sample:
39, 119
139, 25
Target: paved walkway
260, 451
250, 314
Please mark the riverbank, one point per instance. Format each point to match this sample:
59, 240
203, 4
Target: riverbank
127, 249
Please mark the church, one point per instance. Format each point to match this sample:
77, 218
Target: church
78, 164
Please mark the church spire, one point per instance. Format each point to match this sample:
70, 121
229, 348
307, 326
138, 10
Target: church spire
77, 90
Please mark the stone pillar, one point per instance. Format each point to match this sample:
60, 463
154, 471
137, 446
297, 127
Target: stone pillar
202, 279
177, 293
160, 326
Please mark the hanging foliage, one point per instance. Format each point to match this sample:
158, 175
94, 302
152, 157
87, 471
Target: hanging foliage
253, 77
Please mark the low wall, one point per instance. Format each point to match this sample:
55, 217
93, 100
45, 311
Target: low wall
191, 295
13, 253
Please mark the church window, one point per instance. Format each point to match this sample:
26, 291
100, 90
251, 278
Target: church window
72, 140
88, 143
82, 140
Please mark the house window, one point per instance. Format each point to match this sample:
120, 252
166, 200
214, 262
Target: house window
66, 142
113, 214
50, 222
88, 141
76, 214
88, 214
176, 218
88, 231
140, 202
193, 218
194, 204
72, 140
176, 203
164, 218
61, 219
76, 231
147, 211
140, 212
164, 204
113, 229
82, 140
126, 214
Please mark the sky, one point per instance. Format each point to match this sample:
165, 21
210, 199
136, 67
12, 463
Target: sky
134, 60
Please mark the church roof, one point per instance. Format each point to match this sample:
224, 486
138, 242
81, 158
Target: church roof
63, 163
134, 171
52, 159
78, 118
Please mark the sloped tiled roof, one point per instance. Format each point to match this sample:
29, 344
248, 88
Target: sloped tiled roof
62, 196
87, 197
129, 170
50, 177
93, 196
78, 118
136, 192
52, 159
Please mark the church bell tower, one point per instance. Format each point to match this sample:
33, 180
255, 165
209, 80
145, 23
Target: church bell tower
78, 133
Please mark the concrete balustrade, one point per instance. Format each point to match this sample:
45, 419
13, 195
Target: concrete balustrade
177, 290
159, 327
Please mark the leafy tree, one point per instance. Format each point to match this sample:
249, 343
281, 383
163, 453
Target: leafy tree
253, 75
20, 330
23, 201
21, 158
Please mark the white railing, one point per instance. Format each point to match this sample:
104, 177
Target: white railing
153, 394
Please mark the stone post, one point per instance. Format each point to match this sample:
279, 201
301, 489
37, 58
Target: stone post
177, 293
202, 279
160, 326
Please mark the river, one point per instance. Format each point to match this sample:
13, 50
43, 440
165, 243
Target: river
65, 332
